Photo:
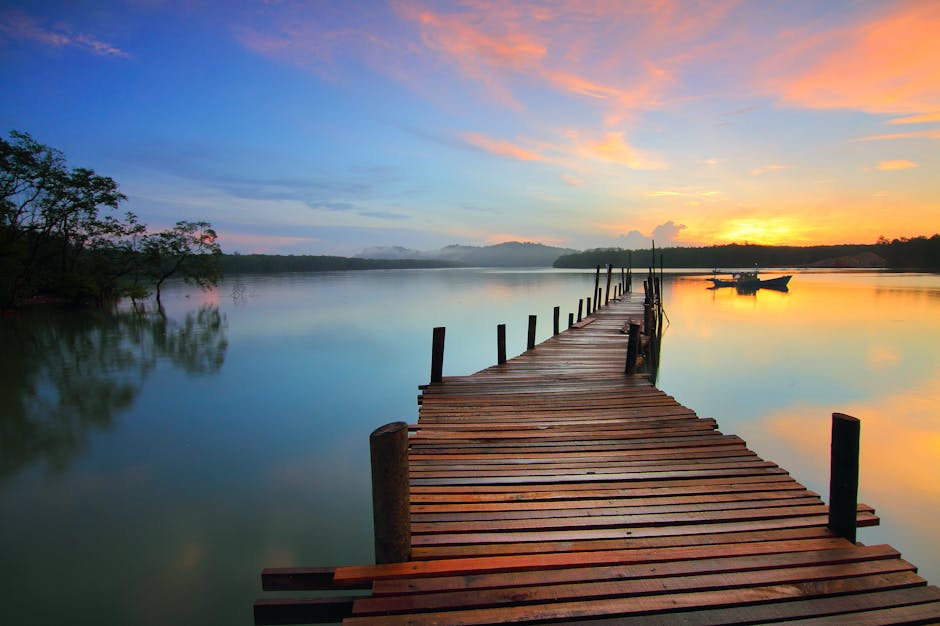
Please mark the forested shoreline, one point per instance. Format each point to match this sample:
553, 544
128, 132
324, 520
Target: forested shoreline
272, 263
915, 253
905, 253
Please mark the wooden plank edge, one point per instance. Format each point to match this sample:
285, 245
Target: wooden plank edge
303, 610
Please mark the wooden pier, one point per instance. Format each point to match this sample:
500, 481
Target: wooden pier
554, 487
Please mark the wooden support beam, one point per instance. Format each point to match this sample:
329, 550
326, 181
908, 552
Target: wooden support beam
843, 475
437, 355
530, 342
391, 497
303, 610
500, 344
610, 268
633, 348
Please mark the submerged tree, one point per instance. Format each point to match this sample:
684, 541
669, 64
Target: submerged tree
189, 250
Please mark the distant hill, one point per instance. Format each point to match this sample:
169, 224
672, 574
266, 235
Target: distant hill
510, 254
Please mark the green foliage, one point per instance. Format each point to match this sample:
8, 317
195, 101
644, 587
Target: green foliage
60, 237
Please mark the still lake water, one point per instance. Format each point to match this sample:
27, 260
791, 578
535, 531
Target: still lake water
150, 467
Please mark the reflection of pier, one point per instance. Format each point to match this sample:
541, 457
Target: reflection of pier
556, 487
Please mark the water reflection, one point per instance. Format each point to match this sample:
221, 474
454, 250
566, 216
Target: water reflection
67, 373
772, 367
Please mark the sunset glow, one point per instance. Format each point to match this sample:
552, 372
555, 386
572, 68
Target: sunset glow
330, 127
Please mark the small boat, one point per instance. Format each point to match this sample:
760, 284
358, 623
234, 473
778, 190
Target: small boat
750, 281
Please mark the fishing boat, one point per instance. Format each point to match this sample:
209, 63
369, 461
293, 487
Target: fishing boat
750, 281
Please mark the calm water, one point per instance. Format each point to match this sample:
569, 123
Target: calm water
150, 467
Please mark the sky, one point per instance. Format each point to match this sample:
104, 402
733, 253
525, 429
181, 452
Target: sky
319, 127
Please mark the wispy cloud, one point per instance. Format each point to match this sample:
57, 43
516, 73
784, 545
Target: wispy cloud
576, 148
18, 25
884, 64
768, 168
916, 134
501, 147
917, 119
888, 166
613, 148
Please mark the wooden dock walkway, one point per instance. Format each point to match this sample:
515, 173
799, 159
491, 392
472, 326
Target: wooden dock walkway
555, 488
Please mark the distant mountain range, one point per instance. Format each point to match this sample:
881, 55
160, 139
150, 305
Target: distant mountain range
510, 254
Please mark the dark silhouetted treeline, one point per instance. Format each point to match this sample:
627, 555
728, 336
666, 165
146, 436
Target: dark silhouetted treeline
904, 253
267, 263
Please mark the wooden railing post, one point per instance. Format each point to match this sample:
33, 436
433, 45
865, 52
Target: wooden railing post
556, 313
391, 499
633, 348
589, 306
843, 475
530, 343
570, 320
597, 282
500, 343
580, 305
610, 268
437, 355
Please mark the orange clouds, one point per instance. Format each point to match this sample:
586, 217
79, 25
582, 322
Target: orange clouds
888, 64
607, 148
501, 147
887, 166
613, 149
917, 134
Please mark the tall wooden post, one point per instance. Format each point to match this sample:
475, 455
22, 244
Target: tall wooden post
580, 304
633, 348
556, 312
437, 355
570, 320
843, 475
597, 282
629, 272
500, 343
589, 306
530, 342
610, 268
391, 500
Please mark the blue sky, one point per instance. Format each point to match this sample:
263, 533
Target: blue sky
328, 127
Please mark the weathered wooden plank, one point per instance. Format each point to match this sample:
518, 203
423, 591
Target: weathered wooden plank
639, 605
778, 611
545, 547
370, 573
757, 557
620, 588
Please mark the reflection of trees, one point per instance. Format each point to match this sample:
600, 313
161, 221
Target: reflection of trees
64, 373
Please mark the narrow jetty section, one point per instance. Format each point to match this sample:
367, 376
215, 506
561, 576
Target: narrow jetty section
554, 487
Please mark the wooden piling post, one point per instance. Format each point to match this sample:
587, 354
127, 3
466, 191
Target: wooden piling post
437, 355
589, 306
391, 502
610, 268
500, 344
843, 475
530, 342
556, 313
597, 281
580, 305
570, 320
633, 348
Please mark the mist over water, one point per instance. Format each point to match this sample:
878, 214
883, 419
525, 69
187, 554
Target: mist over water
150, 467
